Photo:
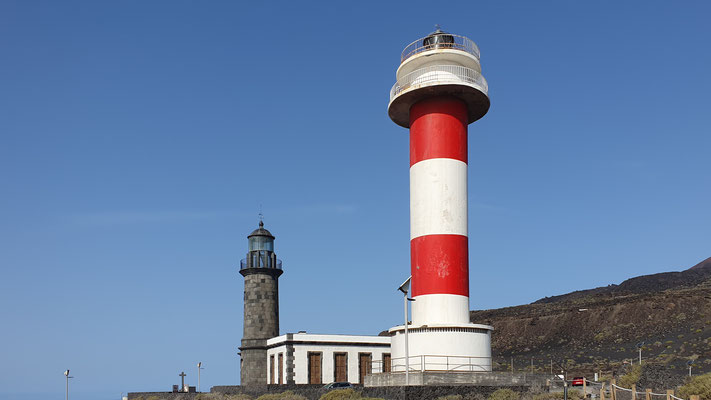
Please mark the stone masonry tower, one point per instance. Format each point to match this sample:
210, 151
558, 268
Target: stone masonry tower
261, 270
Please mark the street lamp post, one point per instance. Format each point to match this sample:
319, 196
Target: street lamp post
66, 374
689, 363
405, 288
199, 367
565, 378
639, 347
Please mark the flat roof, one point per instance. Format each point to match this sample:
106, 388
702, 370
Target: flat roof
332, 339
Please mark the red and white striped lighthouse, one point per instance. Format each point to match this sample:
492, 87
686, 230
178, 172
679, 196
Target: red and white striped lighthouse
438, 93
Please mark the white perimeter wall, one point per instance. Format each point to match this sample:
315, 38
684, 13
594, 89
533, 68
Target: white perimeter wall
327, 345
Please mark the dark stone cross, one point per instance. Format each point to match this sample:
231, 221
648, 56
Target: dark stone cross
182, 379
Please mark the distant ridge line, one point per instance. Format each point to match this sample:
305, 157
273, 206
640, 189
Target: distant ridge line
693, 276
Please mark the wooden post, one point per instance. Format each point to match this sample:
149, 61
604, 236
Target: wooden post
694, 397
648, 394
602, 391
634, 392
585, 386
670, 393
613, 395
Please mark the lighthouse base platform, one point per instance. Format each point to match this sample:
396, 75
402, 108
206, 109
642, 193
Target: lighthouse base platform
440, 347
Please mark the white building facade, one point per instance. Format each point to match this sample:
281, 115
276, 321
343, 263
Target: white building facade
303, 358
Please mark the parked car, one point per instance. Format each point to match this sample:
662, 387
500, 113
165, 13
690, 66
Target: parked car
577, 381
338, 385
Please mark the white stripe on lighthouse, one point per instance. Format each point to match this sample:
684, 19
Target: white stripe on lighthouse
440, 309
438, 197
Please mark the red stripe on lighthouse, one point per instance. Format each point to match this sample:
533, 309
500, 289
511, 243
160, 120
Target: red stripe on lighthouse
438, 129
440, 265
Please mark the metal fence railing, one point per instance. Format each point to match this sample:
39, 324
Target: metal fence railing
425, 363
260, 261
451, 41
439, 74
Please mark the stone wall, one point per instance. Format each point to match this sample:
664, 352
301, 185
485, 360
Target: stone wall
314, 392
499, 379
161, 396
261, 322
261, 305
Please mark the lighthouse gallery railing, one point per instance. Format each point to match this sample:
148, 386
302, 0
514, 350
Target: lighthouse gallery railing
458, 42
439, 74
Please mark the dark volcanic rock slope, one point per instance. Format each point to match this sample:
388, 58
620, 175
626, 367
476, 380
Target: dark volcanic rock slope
598, 329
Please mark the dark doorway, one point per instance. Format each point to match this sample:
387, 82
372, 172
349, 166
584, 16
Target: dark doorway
340, 372
281, 368
364, 367
387, 362
271, 369
314, 368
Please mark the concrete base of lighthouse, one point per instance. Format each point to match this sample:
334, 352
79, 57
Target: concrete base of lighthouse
442, 347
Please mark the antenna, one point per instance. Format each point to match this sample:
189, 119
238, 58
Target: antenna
261, 216
437, 27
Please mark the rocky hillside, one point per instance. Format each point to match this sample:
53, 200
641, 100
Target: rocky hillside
597, 330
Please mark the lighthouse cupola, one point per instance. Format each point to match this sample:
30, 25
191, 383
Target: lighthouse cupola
261, 250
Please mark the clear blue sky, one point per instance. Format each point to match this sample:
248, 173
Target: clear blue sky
138, 140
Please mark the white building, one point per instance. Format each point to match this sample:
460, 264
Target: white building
303, 358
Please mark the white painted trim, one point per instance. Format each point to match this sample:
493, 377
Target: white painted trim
438, 197
326, 338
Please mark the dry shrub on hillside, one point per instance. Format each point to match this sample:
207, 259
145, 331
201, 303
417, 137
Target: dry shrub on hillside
572, 395
237, 397
504, 394
219, 396
341, 394
345, 394
700, 385
631, 377
288, 395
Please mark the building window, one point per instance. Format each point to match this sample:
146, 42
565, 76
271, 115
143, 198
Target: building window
281, 368
340, 370
314, 365
364, 366
387, 362
271, 369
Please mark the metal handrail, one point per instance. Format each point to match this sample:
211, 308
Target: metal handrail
260, 263
423, 363
437, 74
459, 43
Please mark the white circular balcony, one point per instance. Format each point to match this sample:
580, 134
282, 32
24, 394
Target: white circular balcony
439, 75
458, 81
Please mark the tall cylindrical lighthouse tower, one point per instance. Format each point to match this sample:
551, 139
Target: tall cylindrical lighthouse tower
438, 93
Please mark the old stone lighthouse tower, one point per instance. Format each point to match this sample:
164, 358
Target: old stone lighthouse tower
261, 270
